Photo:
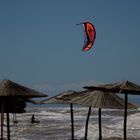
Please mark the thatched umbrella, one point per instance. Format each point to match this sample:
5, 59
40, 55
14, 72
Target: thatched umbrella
97, 99
58, 100
13, 97
124, 87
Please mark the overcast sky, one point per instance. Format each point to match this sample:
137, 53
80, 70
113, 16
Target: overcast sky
40, 44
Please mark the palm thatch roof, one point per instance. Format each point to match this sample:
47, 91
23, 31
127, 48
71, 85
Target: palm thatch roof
58, 98
13, 97
97, 99
9, 88
121, 87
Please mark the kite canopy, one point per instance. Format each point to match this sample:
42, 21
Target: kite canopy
90, 35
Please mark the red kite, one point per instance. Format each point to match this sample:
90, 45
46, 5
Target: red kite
90, 34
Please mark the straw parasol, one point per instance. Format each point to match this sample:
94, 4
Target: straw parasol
13, 97
124, 87
97, 99
10, 88
58, 100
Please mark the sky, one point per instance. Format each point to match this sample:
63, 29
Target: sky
40, 43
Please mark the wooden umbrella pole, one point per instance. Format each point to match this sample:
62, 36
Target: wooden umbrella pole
125, 117
86, 128
2, 118
100, 127
8, 125
72, 122
7, 115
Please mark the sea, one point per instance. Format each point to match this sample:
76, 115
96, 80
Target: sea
55, 123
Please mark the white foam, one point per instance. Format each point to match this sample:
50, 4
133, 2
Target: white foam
56, 122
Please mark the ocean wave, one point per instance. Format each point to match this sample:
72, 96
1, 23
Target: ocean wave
55, 124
